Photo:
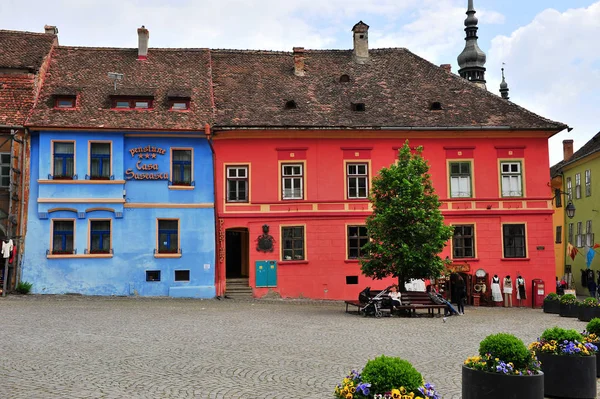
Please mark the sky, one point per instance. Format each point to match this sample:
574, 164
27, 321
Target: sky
550, 48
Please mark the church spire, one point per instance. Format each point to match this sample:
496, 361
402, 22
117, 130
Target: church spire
504, 87
472, 59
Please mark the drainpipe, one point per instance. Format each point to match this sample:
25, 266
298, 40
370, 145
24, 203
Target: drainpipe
218, 285
22, 227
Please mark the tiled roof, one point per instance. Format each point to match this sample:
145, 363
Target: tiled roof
591, 147
16, 98
24, 49
396, 86
85, 71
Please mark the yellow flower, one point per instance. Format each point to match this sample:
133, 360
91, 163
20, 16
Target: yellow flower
402, 390
349, 396
395, 394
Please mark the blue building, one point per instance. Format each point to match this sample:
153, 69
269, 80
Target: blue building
121, 197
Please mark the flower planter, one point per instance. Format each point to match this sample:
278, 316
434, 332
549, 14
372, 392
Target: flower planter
478, 384
569, 376
552, 307
587, 313
569, 310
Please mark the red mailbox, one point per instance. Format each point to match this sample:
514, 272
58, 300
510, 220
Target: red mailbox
538, 293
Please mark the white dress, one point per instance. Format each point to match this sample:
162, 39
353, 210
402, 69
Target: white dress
496, 294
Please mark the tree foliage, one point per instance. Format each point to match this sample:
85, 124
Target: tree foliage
406, 229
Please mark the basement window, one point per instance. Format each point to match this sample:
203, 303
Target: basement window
65, 102
358, 107
436, 106
291, 104
182, 275
344, 79
152, 275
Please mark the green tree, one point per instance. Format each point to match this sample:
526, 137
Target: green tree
406, 229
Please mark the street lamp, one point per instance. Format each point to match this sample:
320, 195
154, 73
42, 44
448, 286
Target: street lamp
570, 208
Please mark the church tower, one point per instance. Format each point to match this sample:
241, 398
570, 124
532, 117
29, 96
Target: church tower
504, 87
472, 59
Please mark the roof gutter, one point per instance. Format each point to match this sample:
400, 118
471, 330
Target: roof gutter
415, 128
11, 127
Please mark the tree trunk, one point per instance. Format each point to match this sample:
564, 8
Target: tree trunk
401, 283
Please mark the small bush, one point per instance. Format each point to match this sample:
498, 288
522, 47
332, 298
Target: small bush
507, 348
551, 297
561, 334
593, 327
589, 302
386, 373
568, 299
23, 287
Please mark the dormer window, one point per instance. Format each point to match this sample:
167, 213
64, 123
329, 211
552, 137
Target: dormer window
291, 104
132, 103
436, 106
344, 79
179, 104
65, 102
358, 107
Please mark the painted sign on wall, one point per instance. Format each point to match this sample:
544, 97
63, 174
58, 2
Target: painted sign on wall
146, 171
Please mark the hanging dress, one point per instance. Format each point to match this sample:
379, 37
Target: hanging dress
496, 293
521, 288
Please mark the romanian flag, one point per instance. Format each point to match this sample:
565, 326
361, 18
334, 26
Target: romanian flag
571, 251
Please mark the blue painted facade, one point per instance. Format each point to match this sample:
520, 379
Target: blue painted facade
133, 207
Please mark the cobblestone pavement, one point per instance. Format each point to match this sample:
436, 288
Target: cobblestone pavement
90, 347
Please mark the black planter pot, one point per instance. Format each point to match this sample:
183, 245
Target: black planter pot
586, 313
478, 384
569, 376
597, 366
552, 307
569, 310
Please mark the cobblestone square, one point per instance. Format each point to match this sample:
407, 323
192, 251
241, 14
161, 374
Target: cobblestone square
94, 347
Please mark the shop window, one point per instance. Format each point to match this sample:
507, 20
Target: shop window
63, 237
152, 275
100, 236
463, 242
460, 179
168, 236
292, 181
514, 240
4, 169
511, 179
357, 238
63, 160
182, 275
292, 243
357, 179
181, 167
100, 163
237, 183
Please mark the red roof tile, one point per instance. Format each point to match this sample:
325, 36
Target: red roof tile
24, 50
16, 98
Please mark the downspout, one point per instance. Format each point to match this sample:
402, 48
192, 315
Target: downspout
22, 222
218, 285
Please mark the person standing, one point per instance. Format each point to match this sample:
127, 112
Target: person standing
461, 293
507, 288
496, 294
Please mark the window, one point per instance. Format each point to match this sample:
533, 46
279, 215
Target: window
62, 237
589, 235
237, 184
4, 170
511, 179
570, 238
514, 240
579, 235
168, 236
64, 160
558, 198
65, 102
358, 107
181, 167
357, 238
460, 179
152, 275
577, 185
182, 275
588, 182
99, 161
463, 242
292, 243
435, 106
179, 105
291, 104
558, 239
357, 176
569, 188
292, 181
132, 103
100, 236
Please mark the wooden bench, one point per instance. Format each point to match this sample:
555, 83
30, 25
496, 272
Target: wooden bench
411, 302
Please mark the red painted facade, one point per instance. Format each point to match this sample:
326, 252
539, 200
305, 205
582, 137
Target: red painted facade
325, 211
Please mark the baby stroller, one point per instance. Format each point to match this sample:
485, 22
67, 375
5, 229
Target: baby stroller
373, 306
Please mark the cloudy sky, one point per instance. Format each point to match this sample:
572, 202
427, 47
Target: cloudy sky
551, 48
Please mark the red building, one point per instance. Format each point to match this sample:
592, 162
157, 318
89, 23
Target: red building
299, 136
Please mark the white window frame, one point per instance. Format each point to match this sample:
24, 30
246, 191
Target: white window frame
577, 185
511, 180
236, 179
290, 179
569, 188
579, 235
356, 177
588, 182
589, 235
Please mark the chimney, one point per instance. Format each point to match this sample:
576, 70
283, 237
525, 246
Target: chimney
361, 42
299, 61
567, 149
50, 30
143, 36
446, 67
